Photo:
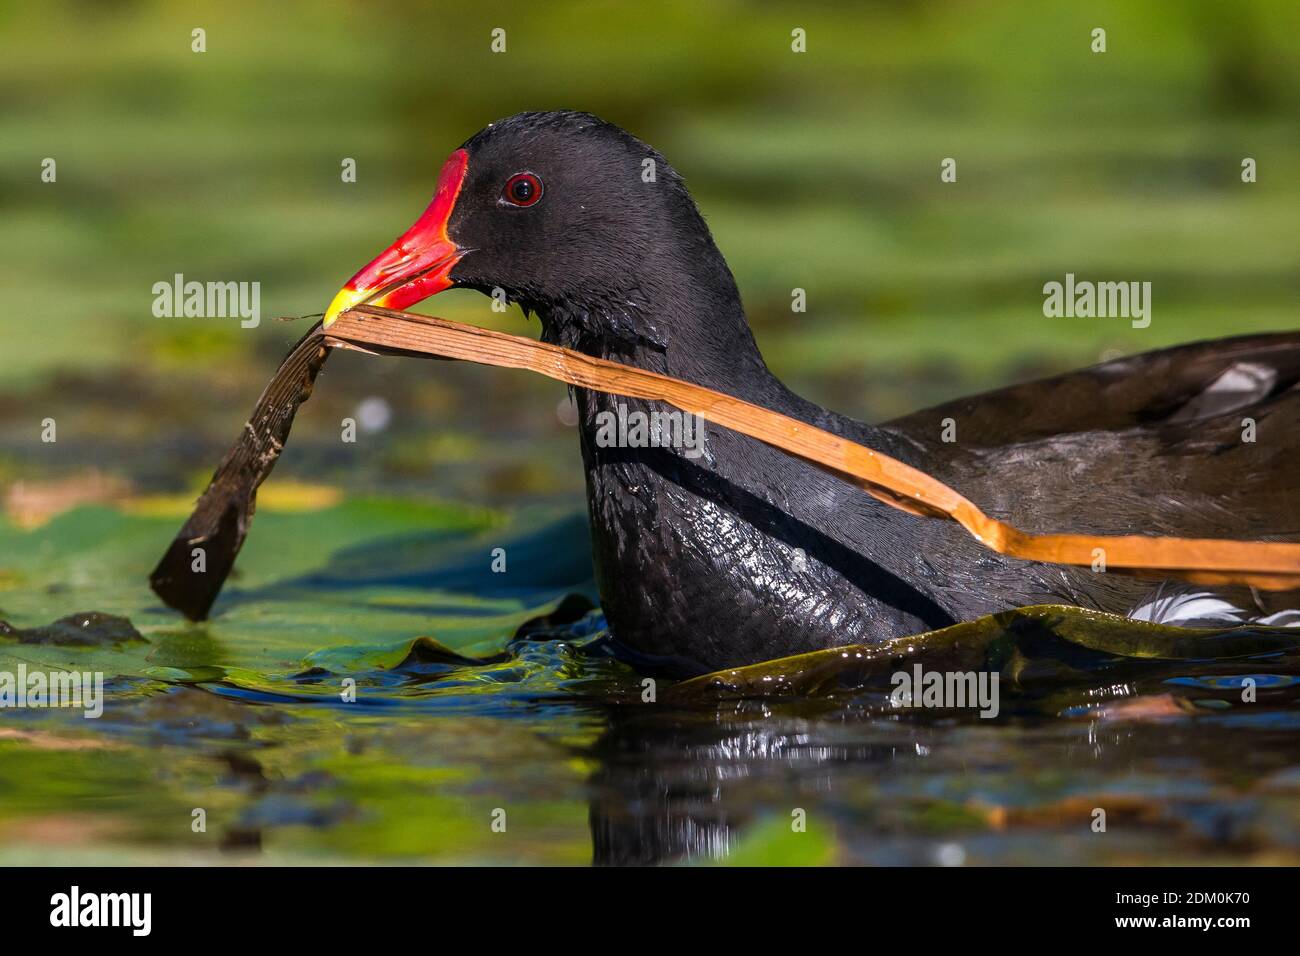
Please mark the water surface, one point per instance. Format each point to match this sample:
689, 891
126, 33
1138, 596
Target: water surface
493, 722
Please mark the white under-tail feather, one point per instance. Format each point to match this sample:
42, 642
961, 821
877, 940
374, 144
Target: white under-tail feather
1187, 608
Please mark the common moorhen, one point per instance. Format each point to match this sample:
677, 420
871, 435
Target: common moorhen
744, 553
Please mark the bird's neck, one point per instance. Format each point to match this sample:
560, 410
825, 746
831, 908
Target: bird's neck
683, 317
685, 320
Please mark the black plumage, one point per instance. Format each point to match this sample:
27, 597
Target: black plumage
746, 553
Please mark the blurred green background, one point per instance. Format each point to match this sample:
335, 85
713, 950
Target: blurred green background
817, 170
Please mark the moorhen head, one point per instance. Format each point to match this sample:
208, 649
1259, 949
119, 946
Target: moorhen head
577, 221
743, 553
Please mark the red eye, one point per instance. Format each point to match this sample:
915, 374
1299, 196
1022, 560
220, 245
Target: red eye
522, 189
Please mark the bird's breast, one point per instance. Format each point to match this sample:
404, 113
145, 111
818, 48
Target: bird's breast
701, 558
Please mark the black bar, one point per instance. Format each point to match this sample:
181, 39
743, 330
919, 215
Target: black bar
299, 905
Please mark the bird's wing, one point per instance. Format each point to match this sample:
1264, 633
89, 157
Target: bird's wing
1197, 441
1184, 383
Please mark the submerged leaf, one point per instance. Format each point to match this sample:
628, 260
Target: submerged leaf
87, 628
1032, 646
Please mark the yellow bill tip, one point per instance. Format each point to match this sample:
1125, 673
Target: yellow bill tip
345, 300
